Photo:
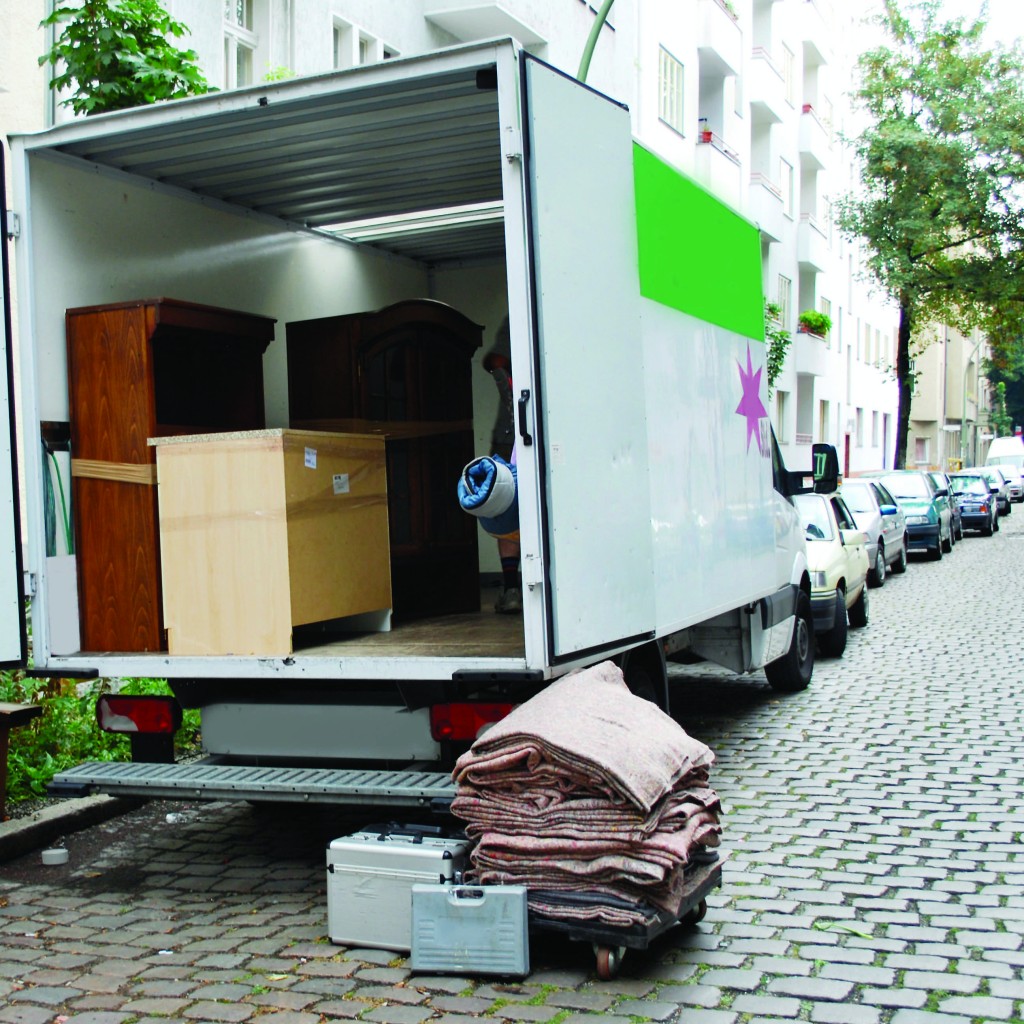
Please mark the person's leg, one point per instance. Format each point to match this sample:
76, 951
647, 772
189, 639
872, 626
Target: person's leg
511, 597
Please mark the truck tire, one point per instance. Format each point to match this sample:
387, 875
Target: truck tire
792, 672
833, 643
646, 674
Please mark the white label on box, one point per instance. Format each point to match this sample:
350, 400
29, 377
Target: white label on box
341, 483
310, 458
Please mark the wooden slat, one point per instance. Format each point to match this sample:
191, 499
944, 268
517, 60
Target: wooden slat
119, 472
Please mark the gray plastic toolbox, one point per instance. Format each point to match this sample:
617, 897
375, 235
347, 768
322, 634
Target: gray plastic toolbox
470, 929
370, 876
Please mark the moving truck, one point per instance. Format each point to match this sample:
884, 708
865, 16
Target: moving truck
250, 329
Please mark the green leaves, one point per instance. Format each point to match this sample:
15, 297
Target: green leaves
114, 54
941, 207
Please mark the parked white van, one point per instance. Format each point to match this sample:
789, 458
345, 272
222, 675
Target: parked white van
1007, 452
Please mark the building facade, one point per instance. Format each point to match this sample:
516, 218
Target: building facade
749, 97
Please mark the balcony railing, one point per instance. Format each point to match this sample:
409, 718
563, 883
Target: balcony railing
706, 137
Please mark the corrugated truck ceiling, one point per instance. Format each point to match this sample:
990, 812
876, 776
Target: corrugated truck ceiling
409, 154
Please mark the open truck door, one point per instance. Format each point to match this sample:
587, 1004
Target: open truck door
592, 424
13, 637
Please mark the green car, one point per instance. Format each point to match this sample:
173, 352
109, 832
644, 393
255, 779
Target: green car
927, 508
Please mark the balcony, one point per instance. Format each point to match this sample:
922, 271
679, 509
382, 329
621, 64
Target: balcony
719, 39
812, 248
717, 166
765, 207
812, 354
815, 143
816, 24
469, 21
766, 89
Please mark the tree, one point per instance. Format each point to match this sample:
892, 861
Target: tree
115, 54
939, 210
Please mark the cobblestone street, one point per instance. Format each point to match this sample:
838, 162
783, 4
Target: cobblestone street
875, 873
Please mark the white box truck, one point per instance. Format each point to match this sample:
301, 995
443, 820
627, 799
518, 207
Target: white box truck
653, 503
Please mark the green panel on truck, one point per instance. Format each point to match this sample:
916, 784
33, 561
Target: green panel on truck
713, 271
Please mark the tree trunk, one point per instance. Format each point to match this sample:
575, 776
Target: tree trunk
905, 379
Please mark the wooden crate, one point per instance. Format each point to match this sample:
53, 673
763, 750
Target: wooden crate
264, 530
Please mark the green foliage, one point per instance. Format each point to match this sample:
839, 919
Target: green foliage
278, 74
1000, 419
813, 321
115, 54
66, 734
778, 341
941, 208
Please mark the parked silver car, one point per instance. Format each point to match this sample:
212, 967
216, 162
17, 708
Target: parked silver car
880, 518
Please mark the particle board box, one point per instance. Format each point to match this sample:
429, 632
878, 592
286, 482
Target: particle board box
370, 879
264, 530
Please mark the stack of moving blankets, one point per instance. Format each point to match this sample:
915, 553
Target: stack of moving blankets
593, 798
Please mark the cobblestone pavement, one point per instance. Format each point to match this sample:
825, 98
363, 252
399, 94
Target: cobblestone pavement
874, 825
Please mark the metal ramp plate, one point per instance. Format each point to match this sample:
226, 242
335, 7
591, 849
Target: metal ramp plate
226, 782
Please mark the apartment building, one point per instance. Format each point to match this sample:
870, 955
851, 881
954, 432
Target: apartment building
750, 97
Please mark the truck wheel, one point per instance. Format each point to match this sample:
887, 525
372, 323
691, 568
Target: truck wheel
859, 611
876, 577
833, 643
792, 672
646, 675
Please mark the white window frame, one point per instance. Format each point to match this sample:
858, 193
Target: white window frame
670, 90
786, 184
239, 39
354, 46
781, 411
789, 74
785, 299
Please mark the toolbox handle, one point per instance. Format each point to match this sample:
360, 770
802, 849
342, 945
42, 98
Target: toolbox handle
465, 894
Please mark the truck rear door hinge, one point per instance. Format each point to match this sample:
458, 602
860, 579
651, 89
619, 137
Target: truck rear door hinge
13, 226
30, 584
513, 145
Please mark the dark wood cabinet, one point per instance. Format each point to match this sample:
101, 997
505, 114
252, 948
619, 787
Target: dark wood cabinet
150, 368
405, 372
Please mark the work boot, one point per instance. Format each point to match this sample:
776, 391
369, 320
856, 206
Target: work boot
510, 601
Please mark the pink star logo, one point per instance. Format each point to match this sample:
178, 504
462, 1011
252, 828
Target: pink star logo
750, 405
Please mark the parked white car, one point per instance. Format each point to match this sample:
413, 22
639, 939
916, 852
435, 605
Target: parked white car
837, 556
883, 522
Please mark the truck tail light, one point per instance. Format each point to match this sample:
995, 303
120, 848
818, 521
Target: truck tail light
148, 714
464, 721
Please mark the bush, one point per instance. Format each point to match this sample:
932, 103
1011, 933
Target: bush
66, 733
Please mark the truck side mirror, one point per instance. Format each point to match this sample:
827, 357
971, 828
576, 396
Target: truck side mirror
826, 468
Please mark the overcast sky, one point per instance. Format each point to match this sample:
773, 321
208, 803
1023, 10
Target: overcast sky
1005, 17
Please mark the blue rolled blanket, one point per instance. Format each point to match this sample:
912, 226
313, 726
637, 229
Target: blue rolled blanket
488, 489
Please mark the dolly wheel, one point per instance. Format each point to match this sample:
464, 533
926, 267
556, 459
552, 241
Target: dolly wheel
698, 913
609, 960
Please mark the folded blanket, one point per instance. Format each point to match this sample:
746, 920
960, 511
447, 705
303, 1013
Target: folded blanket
586, 731
488, 489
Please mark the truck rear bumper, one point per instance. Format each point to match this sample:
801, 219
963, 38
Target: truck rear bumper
206, 781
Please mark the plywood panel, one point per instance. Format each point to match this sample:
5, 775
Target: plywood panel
264, 530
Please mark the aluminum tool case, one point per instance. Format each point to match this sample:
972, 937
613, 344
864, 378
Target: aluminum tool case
370, 876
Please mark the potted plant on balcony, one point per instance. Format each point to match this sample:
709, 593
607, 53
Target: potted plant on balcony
811, 321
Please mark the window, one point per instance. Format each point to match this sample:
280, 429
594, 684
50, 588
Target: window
789, 74
823, 424
784, 299
825, 305
874, 429
867, 343
670, 90
240, 43
921, 450
859, 429
781, 402
786, 186
878, 347
353, 47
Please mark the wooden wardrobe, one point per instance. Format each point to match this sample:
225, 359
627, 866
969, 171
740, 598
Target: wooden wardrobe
404, 372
